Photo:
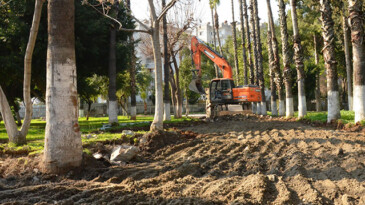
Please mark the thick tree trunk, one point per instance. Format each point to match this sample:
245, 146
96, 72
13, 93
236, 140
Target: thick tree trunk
259, 59
356, 21
145, 106
132, 72
286, 61
15, 136
348, 60
298, 57
317, 91
235, 46
333, 97
276, 63
63, 147
178, 89
274, 111
248, 35
255, 106
243, 38
113, 103
166, 96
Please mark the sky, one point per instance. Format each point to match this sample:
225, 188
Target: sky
141, 11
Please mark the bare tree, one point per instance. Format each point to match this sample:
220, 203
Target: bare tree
356, 21
286, 61
298, 57
19, 136
333, 95
154, 31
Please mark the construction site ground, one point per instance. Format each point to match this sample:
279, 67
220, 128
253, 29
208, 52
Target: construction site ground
242, 159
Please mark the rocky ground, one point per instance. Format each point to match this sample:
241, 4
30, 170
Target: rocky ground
234, 160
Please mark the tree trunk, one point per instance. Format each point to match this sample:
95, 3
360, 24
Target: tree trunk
259, 59
276, 63
132, 72
186, 105
333, 97
63, 147
166, 96
273, 98
89, 103
179, 94
317, 91
298, 57
216, 24
215, 42
15, 136
248, 35
348, 60
113, 103
254, 75
356, 21
145, 106
286, 61
243, 38
235, 45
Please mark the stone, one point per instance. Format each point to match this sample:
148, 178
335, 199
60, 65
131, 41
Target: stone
124, 153
272, 177
127, 132
241, 137
97, 155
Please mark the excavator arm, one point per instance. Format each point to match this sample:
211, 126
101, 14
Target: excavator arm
198, 48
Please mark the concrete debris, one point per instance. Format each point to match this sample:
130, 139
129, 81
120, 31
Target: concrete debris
105, 127
127, 132
124, 153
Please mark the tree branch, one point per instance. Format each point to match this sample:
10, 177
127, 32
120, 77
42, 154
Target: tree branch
166, 9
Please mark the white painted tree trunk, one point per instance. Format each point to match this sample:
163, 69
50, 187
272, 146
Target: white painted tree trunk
10, 125
281, 108
63, 147
263, 108
302, 104
359, 102
289, 107
113, 112
133, 111
167, 113
258, 108
253, 107
333, 105
274, 108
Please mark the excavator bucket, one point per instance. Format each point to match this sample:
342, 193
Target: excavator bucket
196, 86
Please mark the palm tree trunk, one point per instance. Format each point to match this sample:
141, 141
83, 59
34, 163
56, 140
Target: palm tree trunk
63, 147
274, 110
216, 24
166, 96
333, 94
358, 51
243, 38
276, 64
286, 61
259, 59
248, 36
317, 91
298, 56
255, 106
235, 45
348, 60
215, 42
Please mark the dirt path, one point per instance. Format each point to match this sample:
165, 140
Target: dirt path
238, 161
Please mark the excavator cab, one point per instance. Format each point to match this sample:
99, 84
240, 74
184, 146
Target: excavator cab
221, 91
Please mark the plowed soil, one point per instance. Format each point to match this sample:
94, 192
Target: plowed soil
235, 160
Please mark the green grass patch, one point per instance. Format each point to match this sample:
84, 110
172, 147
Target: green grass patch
35, 137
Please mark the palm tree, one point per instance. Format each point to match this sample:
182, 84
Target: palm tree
214, 4
330, 62
357, 37
244, 57
274, 109
276, 62
211, 5
298, 57
254, 75
286, 61
235, 44
63, 147
317, 91
248, 36
259, 57
348, 58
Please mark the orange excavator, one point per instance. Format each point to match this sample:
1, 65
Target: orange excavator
222, 91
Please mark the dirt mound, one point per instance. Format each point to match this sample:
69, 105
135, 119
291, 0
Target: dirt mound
160, 139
